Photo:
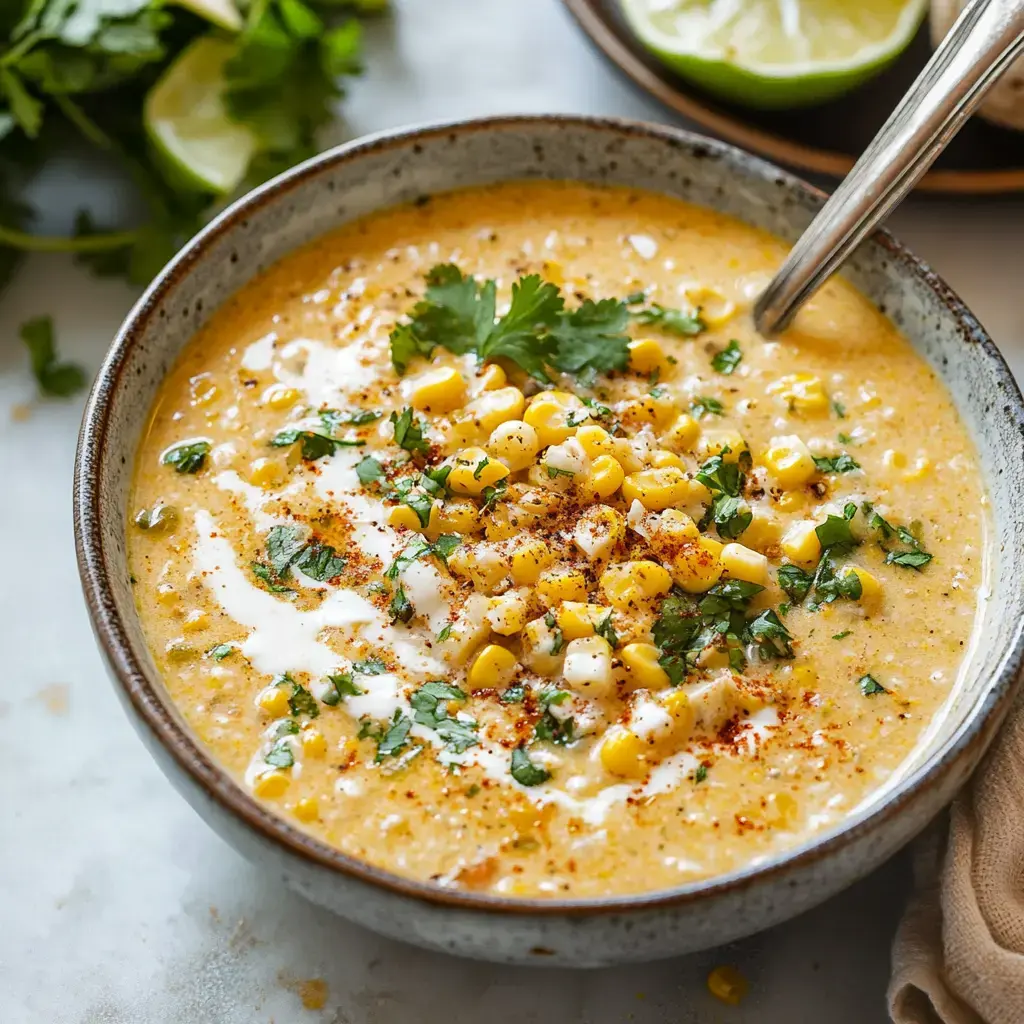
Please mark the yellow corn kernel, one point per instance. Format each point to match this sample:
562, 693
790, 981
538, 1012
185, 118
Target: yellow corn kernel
727, 443
474, 470
203, 389
274, 701
500, 524
529, 560
623, 753
728, 985
870, 588
492, 377
641, 662
711, 305
403, 517
894, 459
313, 743
606, 476
791, 501
555, 415
437, 391
461, 517
646, 356
270, 785
922, 467
629, 584
280, 399
673, 527
588, 666
743, 564
800, 543
494, 667
481, 562
515, 443
557, 585
307, 809
507, 614
804, 676
656, 489
698, 566
764, 530
266, 473
789, 461
678, 705
599, 531
683, 433
801, 392
577, 619
195, 621
539, 645
468, 631
491, 408
554, 272
595, 440
647, 411
662, 459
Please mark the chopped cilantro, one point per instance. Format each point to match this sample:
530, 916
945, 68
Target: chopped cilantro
187, 457
429, 703
524, 771
836, 464
515, 694
554, 471
394, 739
287, 547
728, 358
700, 774
371, 666
841, 636
446, 631
605, 629
480, 467
869, 685
400, 608
770, 635
409, 432
914, 558
908, 559
314, 444
280, 754
551, 729
332, 418
671, 321
492, 495
369, 471
300, 700
835, 532
794, 581
838, 408
337, 686
702, 405
221, 651
269, 578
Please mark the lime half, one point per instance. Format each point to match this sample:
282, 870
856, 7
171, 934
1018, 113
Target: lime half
188, 124
776, 53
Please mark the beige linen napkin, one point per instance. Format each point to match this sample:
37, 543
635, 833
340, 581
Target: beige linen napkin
958, 957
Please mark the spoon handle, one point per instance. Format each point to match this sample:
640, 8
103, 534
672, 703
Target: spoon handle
987, 36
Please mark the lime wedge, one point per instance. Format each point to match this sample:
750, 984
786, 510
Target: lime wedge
188, 125
222, 13
776, 53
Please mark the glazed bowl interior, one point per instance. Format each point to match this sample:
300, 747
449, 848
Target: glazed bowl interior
370, 175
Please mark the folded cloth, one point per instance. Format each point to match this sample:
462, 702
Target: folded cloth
958, 957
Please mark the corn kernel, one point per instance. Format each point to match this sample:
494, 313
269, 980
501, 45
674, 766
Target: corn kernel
623, 753
791, 501
710, 304
491, 408
649, 411
492, 377
870, 588
743, 564
529, 560
727, 443
313, 743
728, 985
554, 272
894, 459
683, 433
628, 584
280, 399
646, 356
656, 489
698, 566
274, 701
461, 517
801, 392
922, 467
789, 461
577, 619
500, 525
507, 614
588, 665
677, 703
662, 459
515, 443
437, 391
595, 440
474, 470
270, 785
494, 667
402, 517
468, 631
599, 531
538, 643
203, 389
764, 530
195, 621
266, 473
606, 476
641, 662
555, 415
557, 585
800, 543
307, 809
804, 676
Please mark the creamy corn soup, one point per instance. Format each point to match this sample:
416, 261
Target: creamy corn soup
487, 541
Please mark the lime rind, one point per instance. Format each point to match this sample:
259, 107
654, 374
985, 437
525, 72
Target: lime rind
734, 71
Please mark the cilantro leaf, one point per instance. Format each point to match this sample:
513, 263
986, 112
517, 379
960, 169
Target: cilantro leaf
869, 685
592, 339
409, 432
551, 729
671, 321
300, 700
794, 581
605, 629
221, 651
187, 457
703, 405
315, 445
836, 464
280, 754
908, 559
269, 579
369, 471
395, 737
400, 608
320, 562
835, 532
337, 686
770, 635
523, 333
524, 771
284, 544
56, 379
726, 360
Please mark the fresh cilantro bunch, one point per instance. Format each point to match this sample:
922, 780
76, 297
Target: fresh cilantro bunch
78, 73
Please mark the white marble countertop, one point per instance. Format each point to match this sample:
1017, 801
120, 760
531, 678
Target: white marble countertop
117, 904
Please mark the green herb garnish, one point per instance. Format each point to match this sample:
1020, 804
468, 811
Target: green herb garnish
869, 685
188, 457
56, 379
524, 771
728, 358
409, 432
835, 464
702, 405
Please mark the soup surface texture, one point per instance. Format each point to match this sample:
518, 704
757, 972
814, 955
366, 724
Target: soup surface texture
486, 540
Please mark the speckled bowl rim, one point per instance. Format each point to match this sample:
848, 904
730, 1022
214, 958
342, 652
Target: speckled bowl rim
977, 729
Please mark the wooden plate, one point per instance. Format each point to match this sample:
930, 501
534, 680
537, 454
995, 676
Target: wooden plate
982, 159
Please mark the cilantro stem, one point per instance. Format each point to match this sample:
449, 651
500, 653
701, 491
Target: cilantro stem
61, 243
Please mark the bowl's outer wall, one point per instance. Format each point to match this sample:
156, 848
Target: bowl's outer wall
364, 177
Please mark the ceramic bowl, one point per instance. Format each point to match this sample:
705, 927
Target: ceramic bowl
375, 173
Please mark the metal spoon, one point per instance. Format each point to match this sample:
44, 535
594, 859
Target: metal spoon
986, 38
